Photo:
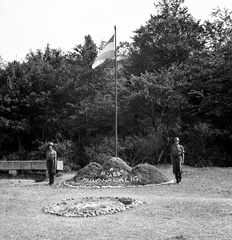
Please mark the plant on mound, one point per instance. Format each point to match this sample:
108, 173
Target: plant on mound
148, 174
117, 164
100, 158
91, 171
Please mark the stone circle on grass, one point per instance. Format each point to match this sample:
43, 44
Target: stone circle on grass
91, 206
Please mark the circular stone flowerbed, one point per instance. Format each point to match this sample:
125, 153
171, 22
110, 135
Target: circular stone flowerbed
91, 206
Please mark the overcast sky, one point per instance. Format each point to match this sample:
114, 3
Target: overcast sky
32, 24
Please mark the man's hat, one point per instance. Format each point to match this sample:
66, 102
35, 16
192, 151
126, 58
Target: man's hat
176, 139
50, 144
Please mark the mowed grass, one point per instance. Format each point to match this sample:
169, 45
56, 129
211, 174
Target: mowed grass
199, 208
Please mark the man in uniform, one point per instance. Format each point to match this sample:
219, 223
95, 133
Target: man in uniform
51, 160
177, 158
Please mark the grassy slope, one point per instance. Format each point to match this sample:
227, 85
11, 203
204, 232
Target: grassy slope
199, 208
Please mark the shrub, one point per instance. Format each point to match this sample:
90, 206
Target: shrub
17, 156
101, 151
133, 149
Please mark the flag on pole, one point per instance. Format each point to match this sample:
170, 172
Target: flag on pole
106, 53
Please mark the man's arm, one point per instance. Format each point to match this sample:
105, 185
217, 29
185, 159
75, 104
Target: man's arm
182, 154
55, 159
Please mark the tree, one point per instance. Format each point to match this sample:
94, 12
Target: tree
14, 104
153, 102
169, 37
207, 73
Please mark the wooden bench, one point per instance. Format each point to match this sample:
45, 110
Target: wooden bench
14, 167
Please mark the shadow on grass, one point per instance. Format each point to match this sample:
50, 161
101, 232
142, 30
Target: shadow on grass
181, 237
38, 177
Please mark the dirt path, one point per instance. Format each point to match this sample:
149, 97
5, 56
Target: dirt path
199, 208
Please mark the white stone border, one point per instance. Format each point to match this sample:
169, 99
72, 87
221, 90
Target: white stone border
93, 213
119, 186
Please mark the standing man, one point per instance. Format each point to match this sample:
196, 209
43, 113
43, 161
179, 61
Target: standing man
51, 160
177, 158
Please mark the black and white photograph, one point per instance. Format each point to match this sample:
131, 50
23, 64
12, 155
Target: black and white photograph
115, 120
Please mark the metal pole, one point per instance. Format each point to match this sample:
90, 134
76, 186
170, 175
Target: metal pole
116, 98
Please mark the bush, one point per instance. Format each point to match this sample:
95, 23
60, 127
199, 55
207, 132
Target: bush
133, 149
101, 151
17, 156
214, 157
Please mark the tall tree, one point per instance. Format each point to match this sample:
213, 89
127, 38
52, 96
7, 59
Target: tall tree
153, 103
14, 104
168, 37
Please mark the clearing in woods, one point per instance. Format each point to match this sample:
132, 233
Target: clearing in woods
199, 208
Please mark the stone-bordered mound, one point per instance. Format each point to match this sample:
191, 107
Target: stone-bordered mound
91, 206
116, 173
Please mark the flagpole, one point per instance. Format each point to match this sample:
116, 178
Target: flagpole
116, 97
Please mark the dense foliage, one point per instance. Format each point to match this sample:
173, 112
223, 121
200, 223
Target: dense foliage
174, 79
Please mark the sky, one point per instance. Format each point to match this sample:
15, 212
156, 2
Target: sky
28, 25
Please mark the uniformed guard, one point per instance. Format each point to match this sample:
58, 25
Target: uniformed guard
177, 158
51, 161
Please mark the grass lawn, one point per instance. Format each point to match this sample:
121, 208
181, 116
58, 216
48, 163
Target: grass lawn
199, 208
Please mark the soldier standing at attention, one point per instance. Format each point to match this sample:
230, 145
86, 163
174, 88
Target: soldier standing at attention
177, 158
51, 161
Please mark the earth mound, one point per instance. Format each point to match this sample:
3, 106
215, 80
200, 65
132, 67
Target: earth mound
92, 170
91, 206
116, 173
117, 164
148, 174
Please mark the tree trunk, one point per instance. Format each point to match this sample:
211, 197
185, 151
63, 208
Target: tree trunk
19, 144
